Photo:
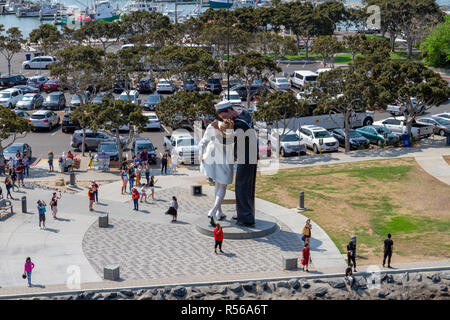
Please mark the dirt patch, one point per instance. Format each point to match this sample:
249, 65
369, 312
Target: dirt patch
447, 158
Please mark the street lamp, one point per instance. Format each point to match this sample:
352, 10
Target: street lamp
228, 50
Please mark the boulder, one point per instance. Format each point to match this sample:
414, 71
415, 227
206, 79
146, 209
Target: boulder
97, 296
236, 287
111, 295
418, 278
337, 284
305, 284
141, 292
382, 294
146, 296
199, 295
283, 284
444, 288
362, 282
195, 290
444, 294
179, 291
249, 286
390, 279
318, 281
320, 291
445, 275
127, 293
294, 283
154, 291
89, 294
435, 278
406, 277
218, 290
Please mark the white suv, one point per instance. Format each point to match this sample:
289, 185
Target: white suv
133, 96
43, 119
40, 62
318, 139
301, 78
10, 97
290, 143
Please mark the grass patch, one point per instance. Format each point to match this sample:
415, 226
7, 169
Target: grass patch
370, 199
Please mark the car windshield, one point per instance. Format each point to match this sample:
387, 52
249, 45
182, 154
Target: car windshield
444, 122
37, 116
152, 117
291, 137
185, 142
311, 78
234, 97
27, 98
215, 81
164, 82
127, 97
154, 99
5, 94
107, 147
13, 149
140, 147
282, 80
322, 134
53, 97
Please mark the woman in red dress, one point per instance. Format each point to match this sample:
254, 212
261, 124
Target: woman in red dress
305, 256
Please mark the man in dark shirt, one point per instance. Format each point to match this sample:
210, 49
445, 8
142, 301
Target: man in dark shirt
144, 156
351, 254
246, 151
388, 247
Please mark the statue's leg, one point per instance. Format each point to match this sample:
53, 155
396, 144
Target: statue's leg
213, 211
220, 195
245, 193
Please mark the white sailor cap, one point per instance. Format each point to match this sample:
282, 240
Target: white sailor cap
223, 106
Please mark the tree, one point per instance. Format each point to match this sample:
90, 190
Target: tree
275, 44
186, 107
47, 37
114, 114
100, 31
345, 94
334, 10
436, 46
185, 62
326, 47
353, 43
86, 115
251, 66
144, 22
12, 127
356, 18
10, 44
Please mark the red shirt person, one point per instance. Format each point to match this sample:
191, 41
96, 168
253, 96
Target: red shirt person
135, 196
218, 237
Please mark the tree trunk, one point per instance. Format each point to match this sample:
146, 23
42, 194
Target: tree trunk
409, 40
83, 142
9, 66
392, 41
307, 47
119, 145
248, 95
347, 130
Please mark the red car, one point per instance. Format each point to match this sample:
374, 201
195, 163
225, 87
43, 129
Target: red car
52, 85
264, 150
37, 81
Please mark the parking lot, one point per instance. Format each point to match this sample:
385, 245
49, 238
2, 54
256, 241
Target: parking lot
42, 141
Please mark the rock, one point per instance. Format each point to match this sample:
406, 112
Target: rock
444, 294
249, 286
320, 291
179, 291
318, 281
399, 282
337, 284
236, 287
444, 288
445, 275
141, 292
127, 293
393, 297
390, 279
80, 296
266, 287
432, 295
381, 294
305, 284
199, 295
97, 296
435, 278
383, 276
406, 277
89, 294
195, 290
154, 291
111, 296
146, 296
218, 290
418, 278
362, 282
167, 290
294, 283
283, 284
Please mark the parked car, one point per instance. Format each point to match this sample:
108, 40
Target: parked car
146, 85
12, 80
93, 139
102, 96
235, 82
55, 101
67, 124
397, 125
40, 62
378, 135
445, 115
22, 114
43, 119
242, 90
132, 95
109, 148
52, 85
191, 85
301, 78
440, 125
290, 143
279, 83
213, 85
184, 145
141, 144
30, 101
234, 98
28, 89
152, 101
398, 109
355, 139
37, 81
76, 102
23, 148
10, 97
121, 85
153, 121
318, 139
167, 86
320, 70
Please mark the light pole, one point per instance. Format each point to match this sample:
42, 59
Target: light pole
228, 50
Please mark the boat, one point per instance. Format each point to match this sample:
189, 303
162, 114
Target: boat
138, 5
220, 4
103, 10
245, 3
40, 9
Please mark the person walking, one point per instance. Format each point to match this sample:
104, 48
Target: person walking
54, 204
10, 164
135, 197
13, 178
306, 231
138, 174
144, 156
306, 256
29, 266
50, 161
147, 172
17, 158
164, 163
124, 176
152, 186
131, 177
20, 170
351, 254
173, 209
8, 185
349, 274
41, 209
91, 196
143, 194
2, 164
26, 165
218, 238
94, 186
388, 248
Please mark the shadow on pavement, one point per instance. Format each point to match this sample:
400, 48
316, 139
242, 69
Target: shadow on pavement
52, 230
63, 219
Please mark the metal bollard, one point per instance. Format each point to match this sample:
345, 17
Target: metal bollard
301, 206
72, 178
24, 204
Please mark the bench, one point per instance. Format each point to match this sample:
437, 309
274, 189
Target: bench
6, 208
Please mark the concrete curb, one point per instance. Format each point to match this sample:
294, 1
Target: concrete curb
199, 284
297, 61
35, 162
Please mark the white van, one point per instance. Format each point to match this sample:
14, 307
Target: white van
301, 78
40, 62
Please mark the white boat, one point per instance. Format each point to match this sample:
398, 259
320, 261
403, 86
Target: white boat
103, 10
39, 9
220, 4
245, 3
138, 5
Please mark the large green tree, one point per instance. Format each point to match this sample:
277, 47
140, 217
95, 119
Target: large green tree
86, 116
436, 46
326, 47
47, 37
10, 44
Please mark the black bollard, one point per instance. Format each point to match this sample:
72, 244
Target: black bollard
72, 178
24, 204
301, 206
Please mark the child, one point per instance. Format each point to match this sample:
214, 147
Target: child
143, 194
173, 209
152, 186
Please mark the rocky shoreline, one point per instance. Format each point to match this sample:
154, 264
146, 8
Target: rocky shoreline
401, 286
